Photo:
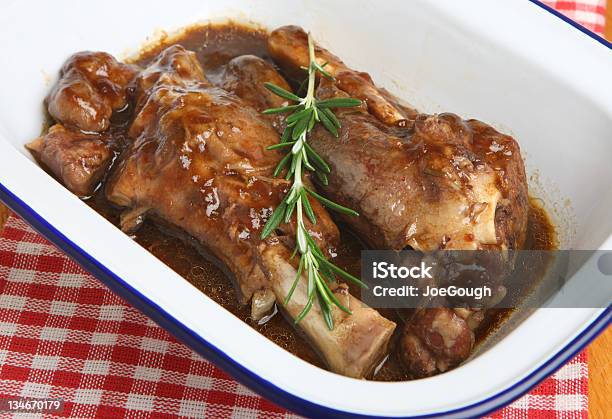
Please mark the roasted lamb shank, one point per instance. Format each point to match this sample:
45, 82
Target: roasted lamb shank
199, 163
425, 182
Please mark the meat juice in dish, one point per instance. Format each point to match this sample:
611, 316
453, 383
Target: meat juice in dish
204, 91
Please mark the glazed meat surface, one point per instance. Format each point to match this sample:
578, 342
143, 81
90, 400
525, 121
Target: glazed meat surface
438, 182
288, 46
246, 76
79, 149
199, 163
91, 86
175, 65
426, 182
79, 160
443, 184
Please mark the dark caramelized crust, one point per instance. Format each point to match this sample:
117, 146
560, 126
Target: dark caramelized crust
91, 86
503, 154
246, 76
427, 182
77, 159
175, 64
199, 161
435, 340
288, 45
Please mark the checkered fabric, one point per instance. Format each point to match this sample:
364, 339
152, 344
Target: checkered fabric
589, 13
563, 395
64, 335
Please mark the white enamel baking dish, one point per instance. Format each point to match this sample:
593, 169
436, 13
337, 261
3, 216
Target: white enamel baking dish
511, 63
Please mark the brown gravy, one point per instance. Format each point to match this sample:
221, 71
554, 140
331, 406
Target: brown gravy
215, 45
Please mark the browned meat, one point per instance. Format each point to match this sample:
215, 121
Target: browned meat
428, 182
434, 340
79, 150
91, 86
190, 164
288, 45
175, 64
245, 76
438, 183
78, 160
199, 162
444, 184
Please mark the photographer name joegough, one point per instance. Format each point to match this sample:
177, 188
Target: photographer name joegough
385, 270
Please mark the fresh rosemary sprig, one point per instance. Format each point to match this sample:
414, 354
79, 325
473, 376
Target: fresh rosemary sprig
304, 114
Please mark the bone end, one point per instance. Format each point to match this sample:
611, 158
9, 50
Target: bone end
356, 344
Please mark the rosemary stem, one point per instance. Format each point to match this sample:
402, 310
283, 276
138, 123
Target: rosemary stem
310, 93
303, 115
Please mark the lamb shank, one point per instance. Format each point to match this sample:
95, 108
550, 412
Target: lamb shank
199, 162
425, 182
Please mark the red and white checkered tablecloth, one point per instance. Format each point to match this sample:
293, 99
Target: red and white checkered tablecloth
589, 13
64, 335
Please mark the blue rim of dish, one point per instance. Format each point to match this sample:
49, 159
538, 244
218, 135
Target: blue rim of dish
249, 378
263, 386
